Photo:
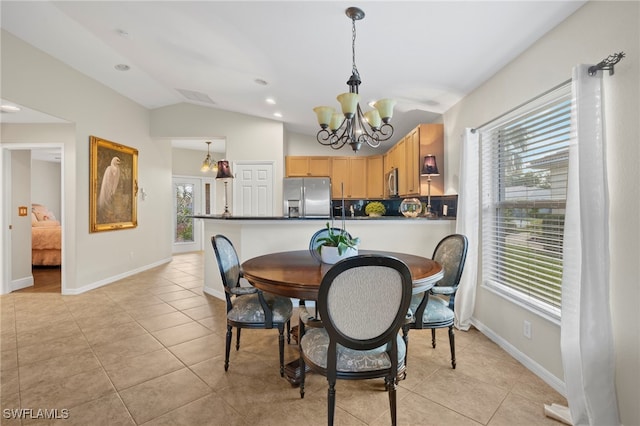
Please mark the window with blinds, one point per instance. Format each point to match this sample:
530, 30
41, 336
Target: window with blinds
524, 168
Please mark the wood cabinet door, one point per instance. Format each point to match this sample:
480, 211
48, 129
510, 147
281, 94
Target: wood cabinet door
401, 162
296, 166
357, 178
412, 158
375, 176
432, 143
319, 166
339, 177
307, 166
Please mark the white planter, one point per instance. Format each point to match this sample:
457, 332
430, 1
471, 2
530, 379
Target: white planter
330, 254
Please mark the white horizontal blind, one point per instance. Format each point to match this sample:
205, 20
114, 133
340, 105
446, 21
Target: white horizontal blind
524, 166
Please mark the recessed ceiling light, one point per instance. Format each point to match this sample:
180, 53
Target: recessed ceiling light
270, 101
277, 114
9, 108
122, 67
261, 82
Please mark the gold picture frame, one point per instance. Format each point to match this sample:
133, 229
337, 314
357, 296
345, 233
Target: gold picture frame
113, 189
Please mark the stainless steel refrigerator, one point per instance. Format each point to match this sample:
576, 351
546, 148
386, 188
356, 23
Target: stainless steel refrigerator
307, 197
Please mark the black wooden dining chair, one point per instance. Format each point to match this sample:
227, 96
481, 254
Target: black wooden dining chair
431, 309
248, 307
363, 301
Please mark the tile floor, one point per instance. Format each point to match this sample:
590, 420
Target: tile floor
149, 349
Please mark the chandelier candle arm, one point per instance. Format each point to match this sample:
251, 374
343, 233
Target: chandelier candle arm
354, 127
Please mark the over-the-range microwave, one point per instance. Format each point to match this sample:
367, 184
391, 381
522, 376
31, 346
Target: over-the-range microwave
391, 181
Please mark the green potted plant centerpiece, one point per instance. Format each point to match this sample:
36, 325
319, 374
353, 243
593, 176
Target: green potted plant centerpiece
337, 245
375, 208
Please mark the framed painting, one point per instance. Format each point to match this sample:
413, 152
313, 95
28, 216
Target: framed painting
113, 186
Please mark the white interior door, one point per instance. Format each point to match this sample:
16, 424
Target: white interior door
253, 189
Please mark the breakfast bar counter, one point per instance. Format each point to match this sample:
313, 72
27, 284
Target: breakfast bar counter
257, 236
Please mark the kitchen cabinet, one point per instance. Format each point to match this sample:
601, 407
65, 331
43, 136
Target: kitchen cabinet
300, 166
375, 176
431, 142
408, 154
412, 161
394, 159
363, 177
350, 173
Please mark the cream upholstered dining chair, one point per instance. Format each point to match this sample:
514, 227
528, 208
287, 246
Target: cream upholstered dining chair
431, 309
248, 307
363, 301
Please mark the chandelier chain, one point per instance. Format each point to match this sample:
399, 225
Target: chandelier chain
354, 69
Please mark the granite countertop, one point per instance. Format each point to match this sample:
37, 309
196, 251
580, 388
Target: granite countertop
349, 218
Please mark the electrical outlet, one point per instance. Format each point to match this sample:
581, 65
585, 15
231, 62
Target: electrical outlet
526, 329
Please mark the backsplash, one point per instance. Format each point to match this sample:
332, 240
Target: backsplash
438, 204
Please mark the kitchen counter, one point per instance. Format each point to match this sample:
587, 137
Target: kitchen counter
337, 219
256, 236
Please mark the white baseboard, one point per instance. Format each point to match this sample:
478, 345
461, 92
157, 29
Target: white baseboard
21, 283
98, 284
212, 292
533, 366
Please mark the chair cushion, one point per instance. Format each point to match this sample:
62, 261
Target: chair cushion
315, 344
247, 308
443, 290
437, 310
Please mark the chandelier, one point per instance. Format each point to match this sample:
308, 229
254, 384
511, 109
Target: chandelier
208, 164
352, 126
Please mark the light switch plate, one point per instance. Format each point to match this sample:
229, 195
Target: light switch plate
22, 211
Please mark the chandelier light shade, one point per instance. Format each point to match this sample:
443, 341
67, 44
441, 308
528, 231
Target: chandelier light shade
429, 166
352, 126
208, 164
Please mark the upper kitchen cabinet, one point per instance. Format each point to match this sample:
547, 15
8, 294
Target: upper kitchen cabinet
412, 161
431, 138
349, 173
425, 139
375, 176
307, 166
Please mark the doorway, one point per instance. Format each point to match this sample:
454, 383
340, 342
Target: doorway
253, 189
17, 273
191, 196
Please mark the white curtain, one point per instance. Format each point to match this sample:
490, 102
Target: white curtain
586, 334
467, 224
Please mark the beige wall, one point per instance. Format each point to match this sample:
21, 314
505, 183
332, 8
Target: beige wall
35, 80
247, 138
590, 35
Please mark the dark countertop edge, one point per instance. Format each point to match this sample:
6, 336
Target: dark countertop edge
357, 218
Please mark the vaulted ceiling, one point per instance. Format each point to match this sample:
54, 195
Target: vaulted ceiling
235, 55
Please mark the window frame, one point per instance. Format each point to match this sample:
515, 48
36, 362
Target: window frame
494, 199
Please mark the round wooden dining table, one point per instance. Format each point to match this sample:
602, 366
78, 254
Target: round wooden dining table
298, 274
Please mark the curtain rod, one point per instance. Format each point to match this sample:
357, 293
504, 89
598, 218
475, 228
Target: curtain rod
521, 105
605, 64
